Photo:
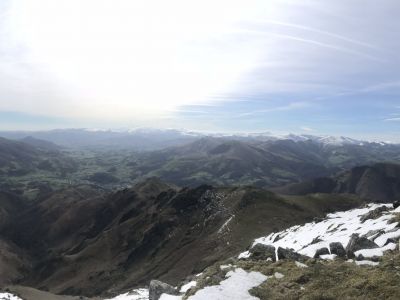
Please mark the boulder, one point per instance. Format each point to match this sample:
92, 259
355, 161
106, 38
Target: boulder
374, 214
357, 243
286, 253
338, 249
262, 252
396, 204
321, 251
157, 288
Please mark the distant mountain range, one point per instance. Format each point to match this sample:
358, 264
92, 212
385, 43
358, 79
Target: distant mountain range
227, 161
146, 139
262, 161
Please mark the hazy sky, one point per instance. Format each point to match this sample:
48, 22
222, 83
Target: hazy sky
322, 67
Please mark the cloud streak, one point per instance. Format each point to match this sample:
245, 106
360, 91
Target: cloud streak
283, 108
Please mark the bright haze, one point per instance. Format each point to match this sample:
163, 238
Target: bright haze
321, 67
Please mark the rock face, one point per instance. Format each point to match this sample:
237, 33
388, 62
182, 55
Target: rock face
262, 252
374, 214
338, 249
157, 288
321, 251
286, 253
396, 204
357, 243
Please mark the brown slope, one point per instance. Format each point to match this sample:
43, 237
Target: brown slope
85, 243
378, 183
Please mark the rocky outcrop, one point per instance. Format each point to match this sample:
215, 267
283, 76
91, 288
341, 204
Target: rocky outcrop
157, 288
263, 252
374, 214
337, 249
286, 253
321, 251
357, 243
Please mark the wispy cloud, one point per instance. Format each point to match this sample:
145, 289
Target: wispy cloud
307, 129
392, 120
322, 32
343, 49
287, 107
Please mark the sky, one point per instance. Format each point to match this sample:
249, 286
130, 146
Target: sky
301, 66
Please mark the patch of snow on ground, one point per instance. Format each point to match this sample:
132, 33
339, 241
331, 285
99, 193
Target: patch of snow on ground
170, 297
187, 286
234, 287
337, 227
8, 296
328, 256
138, 294
225, 224
245, 254
301, 265
278, 275
375, 251
366, 263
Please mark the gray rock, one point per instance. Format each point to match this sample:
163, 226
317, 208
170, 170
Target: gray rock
262, 252
357, 243
374, 214
286, 253
321, 251
157, 288
338, 249
373, 234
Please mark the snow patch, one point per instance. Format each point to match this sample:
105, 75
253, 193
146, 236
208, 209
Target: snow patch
225, 224
301, 265
170, 297
187, 286
245, 254
8, 296
328, 256
138, 294
375, 252
366, 263
234, 287
336, 227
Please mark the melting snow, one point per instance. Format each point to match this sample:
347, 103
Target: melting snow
301, 265
188, 286
328, 256
235, 287
170, 297
225, 224
337, 227
366, 263
245, 254
139, 294
8, 296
